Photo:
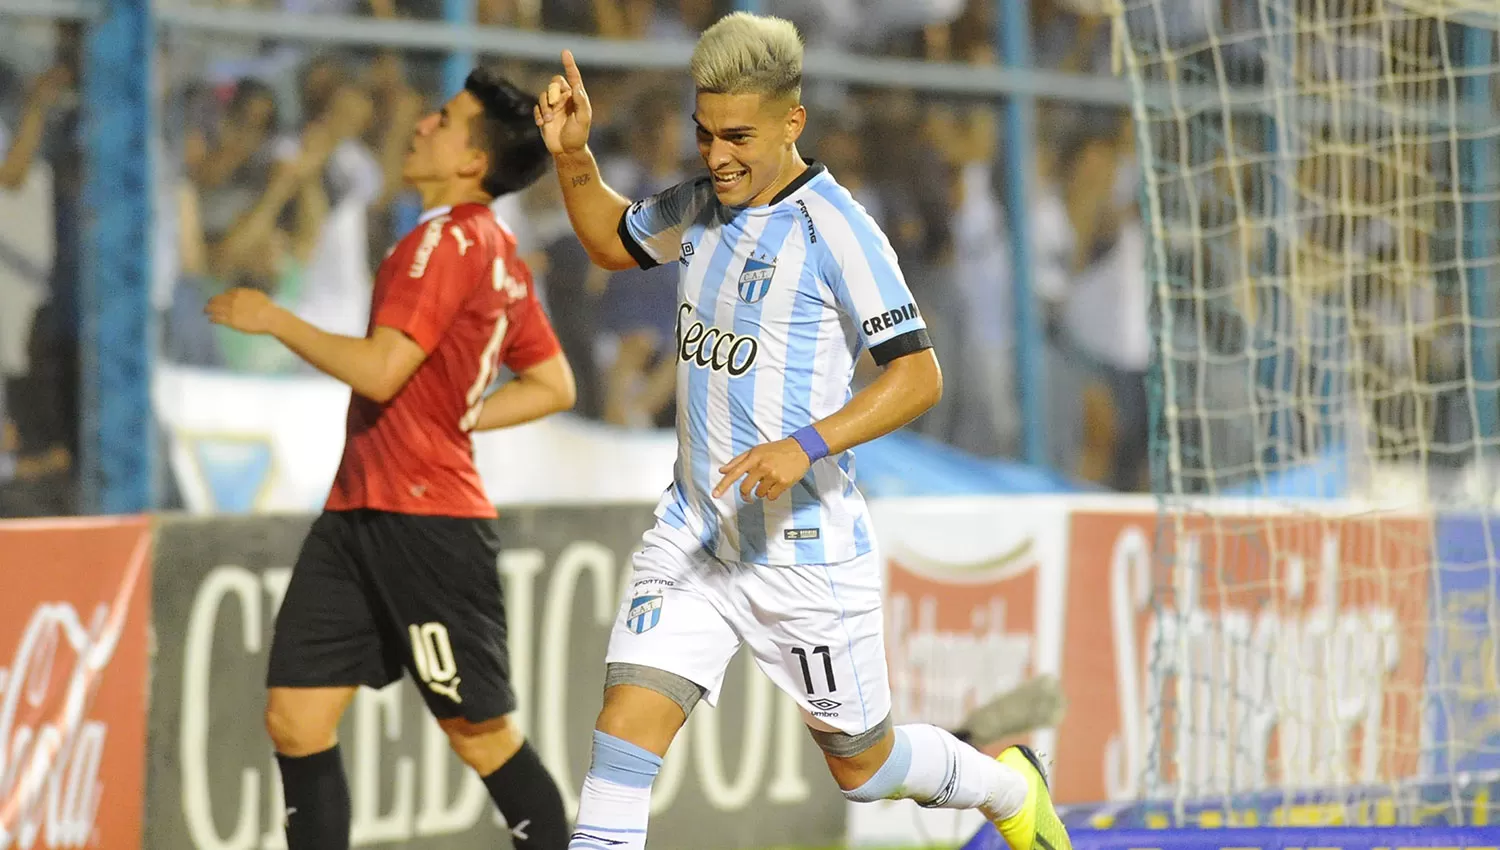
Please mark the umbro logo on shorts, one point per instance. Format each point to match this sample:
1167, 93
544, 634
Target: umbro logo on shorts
824, 704
644, 614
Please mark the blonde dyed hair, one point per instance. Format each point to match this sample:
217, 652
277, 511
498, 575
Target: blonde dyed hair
749, 54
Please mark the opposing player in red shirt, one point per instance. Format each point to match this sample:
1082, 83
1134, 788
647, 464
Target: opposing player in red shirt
399, 571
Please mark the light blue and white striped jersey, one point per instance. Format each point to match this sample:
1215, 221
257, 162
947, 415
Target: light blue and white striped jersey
775, 304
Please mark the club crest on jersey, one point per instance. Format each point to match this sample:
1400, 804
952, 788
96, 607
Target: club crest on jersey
755, 279
644, 613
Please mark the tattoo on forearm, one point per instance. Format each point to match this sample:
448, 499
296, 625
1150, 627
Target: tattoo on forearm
581, 179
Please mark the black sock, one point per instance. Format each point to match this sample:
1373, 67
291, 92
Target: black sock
527, 796
317, 801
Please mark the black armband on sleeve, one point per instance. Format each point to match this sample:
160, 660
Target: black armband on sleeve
899, 346
637, 253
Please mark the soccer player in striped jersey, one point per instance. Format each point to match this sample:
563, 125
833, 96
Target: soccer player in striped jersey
762, 538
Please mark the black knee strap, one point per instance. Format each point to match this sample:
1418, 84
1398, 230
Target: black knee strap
670, 685
845, 746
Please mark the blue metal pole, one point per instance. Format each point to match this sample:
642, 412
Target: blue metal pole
1477, 162
458, 64
116, 344
751, 6
1020, 167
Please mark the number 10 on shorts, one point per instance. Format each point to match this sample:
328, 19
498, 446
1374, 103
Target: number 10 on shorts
432, 653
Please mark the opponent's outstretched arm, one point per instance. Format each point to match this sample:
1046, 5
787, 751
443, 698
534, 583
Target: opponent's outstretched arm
564, 114
376, 366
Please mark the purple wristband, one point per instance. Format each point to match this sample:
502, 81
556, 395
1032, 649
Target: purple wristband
811, 442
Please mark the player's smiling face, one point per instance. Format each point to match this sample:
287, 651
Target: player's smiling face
748, 142
442, 149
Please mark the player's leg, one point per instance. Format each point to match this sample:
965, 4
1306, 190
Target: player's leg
828, 652
440, 588
512, 771
325, 644
484, 746
669, 648
927, 764
303, 724
304, 721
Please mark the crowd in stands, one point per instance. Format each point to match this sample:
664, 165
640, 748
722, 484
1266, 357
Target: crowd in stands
279, 169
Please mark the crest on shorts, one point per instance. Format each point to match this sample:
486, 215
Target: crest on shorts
755, 279
644, 613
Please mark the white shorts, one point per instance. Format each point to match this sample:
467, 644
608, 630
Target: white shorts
817, 630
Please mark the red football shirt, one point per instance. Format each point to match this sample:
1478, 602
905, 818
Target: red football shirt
456, 287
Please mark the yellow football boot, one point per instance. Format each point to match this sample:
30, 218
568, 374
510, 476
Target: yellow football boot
1036, 826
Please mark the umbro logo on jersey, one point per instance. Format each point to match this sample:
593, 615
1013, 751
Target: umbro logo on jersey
687, 253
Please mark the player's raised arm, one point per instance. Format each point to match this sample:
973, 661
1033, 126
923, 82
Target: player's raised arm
564, 115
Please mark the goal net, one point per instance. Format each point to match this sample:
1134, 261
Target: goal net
1322, 200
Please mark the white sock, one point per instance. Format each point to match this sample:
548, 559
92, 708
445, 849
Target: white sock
616, 800
934, 768
609, 814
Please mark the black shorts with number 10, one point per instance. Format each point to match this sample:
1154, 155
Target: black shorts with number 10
374, 593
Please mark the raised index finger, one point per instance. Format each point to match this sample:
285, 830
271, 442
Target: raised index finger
570, 70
